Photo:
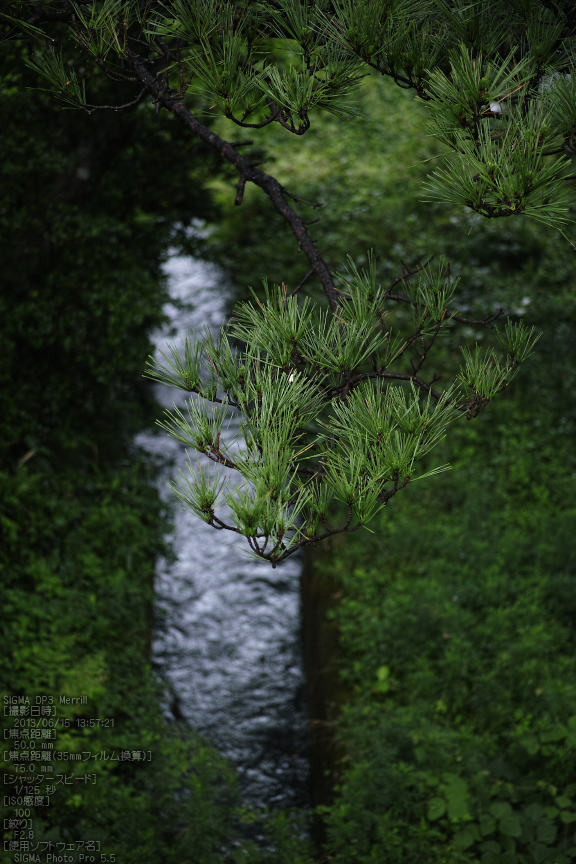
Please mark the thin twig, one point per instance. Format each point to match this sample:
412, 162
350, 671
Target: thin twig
131, 104
240, 190
301, 283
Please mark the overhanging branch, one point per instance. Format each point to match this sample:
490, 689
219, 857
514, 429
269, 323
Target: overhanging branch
248, 172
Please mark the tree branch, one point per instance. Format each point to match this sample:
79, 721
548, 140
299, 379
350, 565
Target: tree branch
270, 185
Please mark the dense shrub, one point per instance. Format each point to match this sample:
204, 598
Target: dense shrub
457, 645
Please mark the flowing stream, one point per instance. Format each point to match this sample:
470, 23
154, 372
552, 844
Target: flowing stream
230, 642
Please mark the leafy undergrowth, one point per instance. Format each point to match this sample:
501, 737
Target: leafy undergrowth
457, 627
76, 577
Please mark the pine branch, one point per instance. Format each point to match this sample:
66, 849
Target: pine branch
165, 97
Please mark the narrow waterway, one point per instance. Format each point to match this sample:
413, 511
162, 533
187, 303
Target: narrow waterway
230, 636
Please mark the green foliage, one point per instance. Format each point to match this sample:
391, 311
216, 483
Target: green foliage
485, 373
457, 649
321, 412
85, 227
64, 81
77, 571
483, 73
484, 70
359, 202
77, 580
510, 153
461, 727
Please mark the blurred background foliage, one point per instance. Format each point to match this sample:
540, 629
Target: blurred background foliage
456, 621
88, 207
456, 616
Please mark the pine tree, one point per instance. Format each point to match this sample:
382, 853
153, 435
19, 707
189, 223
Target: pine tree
333, 402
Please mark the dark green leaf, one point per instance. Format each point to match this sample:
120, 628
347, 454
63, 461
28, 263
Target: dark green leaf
464, 839
487, 824
436, 808
510, 826
500, 809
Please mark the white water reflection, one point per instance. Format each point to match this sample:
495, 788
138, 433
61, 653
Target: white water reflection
230, 644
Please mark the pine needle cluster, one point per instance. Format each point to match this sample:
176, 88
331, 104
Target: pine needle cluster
497, 76
301, 408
